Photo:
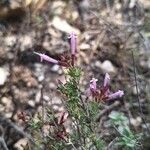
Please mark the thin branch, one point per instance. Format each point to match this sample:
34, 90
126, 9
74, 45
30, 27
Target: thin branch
111, 144
138, 97
107, 109
2, 141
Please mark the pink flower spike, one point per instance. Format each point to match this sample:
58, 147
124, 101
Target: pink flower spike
93, 84
115, 95
92, 88
72, 40
47, 58
106, 80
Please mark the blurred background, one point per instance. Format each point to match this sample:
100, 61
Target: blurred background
108, 31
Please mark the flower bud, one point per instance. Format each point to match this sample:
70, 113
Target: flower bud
72, 40
115, 95
47, 58
106, 80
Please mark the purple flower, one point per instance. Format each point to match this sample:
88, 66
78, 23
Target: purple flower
102, 93
106, 80
115, 95
72, 40
47, 58
92, 87
93, 84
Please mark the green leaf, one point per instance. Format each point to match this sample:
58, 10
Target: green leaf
118, 118
74, 72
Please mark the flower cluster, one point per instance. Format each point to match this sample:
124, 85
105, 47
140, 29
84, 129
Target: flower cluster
82, 116
65, 61
103, 92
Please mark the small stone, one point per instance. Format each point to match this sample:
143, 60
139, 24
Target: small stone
40, 78
10, 55
46, 130
145, 125
2, 108
135, 90
20, 145
145, 63
58, 7
46, 98
61, 109
145, 3
55, 68
6, 101
139, 119
60, 71
98, 64
15, 4
52, 85
46, 44
75, 15
64, 26
27, 2
38, 96
107, 66
8, 114
31, 103
10, 40
26, 42
3, 76
84, 46
56, 100
55, 107
136, 121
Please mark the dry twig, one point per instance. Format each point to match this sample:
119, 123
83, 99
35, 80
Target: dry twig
107, 109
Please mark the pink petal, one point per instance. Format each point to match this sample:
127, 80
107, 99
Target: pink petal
106, 80
93, 84
115, 95
47, 58
73, 42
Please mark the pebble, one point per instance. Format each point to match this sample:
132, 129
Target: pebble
31, 103
41, 78
56, 100
52, 85
58, 7
63, 25
145, 3
145, 63
6, 101
135, 90
84, 46
107, 66
21, 144
98, 64
3, 75
55, 68
10, 40
46, 98
2, 108
8, 114
38, 96
26, 42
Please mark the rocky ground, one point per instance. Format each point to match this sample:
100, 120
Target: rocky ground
108, 34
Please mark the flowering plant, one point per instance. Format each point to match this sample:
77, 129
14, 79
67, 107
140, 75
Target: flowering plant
80, 109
